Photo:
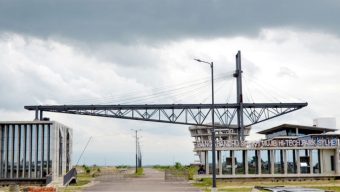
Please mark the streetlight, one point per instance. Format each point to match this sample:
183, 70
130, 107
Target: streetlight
136, 131
213, 150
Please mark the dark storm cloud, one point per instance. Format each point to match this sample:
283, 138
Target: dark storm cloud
144, 20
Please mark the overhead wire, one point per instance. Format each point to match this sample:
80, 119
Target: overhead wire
189, 90
275, 93
136, 93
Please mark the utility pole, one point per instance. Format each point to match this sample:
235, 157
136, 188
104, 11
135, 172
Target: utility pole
139, 155
136, 150
136, 137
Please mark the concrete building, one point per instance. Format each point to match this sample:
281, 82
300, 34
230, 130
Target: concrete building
34, 151
288, 151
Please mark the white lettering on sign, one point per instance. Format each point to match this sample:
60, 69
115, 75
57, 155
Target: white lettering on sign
333, 142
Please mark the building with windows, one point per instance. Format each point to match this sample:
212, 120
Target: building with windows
34, 151
288, 151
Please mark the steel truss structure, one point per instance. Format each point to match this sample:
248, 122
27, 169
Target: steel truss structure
188, 114
222, 115
239, 113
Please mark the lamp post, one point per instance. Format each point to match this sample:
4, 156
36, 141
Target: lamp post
136, 135
213, 150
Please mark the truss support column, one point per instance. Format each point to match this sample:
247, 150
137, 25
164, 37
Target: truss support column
36, 114
41, 115
238, 75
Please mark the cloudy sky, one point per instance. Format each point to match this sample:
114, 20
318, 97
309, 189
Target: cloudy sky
115, 52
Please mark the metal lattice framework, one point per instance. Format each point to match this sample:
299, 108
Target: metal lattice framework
239, 113
188, 114
222, 115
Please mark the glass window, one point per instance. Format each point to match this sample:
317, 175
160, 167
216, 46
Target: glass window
10, 150
48, 148
265, 162
2, 150
239, 156
278, 163
34, 149
22, 150
252, 162
15, 150
61, 154
45, 149
39, 149
226, 162
304, 161
68, 158
316, 160
29, 157
291, 162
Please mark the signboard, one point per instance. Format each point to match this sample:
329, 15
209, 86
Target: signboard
309, 142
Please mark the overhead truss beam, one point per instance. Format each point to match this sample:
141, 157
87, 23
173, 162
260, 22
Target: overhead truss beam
188, 114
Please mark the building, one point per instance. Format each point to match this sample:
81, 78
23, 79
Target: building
34, 151
288, 151
202, 136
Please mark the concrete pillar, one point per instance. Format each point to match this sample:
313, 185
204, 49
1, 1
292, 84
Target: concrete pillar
6, 147
36, 114
42, 139
41, 116
219, 156
233, 162
1, 149
30, 142
259, 162
25, 152
48, 148
298, 166
272, 161
336, 163
36, 151
18, 147
321, 161
285, 167
12, 127
310, 161
245, 161
207, 162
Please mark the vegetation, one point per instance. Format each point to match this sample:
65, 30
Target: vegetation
243, 186
140, 171
123, 167
181, 170
161, 167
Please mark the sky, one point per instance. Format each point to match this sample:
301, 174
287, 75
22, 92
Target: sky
117, 52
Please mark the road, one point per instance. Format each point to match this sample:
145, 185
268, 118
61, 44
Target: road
153, 180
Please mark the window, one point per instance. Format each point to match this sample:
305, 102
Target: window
332, 163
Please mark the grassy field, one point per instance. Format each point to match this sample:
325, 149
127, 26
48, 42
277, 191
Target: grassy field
205, 185
85, 176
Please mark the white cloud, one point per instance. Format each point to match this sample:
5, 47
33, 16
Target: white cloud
46, 71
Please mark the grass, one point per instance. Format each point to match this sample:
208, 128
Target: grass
206, 183
328, 188
140, 172
181, 170
85, 176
